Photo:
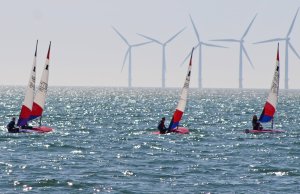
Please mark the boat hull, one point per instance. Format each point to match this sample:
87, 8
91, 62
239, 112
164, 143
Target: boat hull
264, 131
41, 129
180, 130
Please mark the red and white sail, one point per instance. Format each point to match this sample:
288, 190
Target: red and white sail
183, 98
270, 106
29, 94
40, 97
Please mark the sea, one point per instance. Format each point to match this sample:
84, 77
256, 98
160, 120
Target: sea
103, 143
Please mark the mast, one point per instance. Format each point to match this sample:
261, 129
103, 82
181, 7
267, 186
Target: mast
40, 122
272, 124
277, 60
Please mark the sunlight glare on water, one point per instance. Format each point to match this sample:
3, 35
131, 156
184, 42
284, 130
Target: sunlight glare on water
102, 142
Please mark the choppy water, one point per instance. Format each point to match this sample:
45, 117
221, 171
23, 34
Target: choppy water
103, 143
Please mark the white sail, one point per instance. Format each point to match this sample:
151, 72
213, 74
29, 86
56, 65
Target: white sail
184, 92
271, 103
29, 94
183, 98
40, 97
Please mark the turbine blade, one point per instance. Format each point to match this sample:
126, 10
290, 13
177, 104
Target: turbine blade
226, 40
149, 38
174, 36
213, 45
294, 50
195, 29
246, 32
270, 40
292, 25
121, 35
126, 55
244, 50
141, 44
188, 55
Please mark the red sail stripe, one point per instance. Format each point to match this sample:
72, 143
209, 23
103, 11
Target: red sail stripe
177, 116
269, 109
36, 110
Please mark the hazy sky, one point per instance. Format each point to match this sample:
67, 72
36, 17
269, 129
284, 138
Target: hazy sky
87, 52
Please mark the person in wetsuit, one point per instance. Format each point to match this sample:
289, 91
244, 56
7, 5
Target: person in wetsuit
256, 124
11, 126
161, 126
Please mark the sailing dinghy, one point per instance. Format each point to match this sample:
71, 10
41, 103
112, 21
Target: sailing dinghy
174, 124
33, 106
269, 110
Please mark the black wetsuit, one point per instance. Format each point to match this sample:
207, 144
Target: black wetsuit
11, 127
161, 127
256, 125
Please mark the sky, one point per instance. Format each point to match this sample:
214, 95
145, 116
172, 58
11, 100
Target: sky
86, 51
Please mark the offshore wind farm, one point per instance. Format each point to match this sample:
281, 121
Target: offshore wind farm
102, 50
242, 52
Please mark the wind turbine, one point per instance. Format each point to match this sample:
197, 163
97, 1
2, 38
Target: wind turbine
199, 45
287, 46
163, 44
128, 54
242, 51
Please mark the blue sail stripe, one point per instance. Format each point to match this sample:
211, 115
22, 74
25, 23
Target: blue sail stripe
265, 118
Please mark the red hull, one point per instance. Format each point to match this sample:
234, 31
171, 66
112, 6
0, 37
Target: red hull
264, 131
41, 129
181, 130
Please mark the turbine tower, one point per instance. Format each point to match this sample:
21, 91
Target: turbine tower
163, 44
128, 54
287, 46
199, 45
242, 51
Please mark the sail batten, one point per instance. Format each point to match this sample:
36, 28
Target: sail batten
183, 98
269, 110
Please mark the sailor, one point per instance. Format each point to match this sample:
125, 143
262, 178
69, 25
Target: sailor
161, 126
11, 126
256, 124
